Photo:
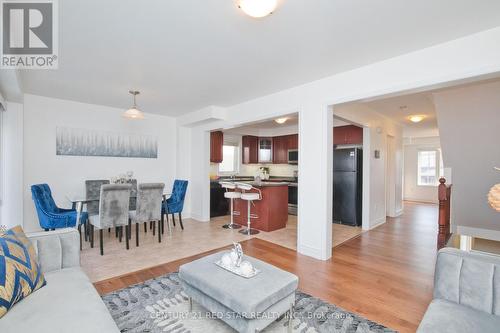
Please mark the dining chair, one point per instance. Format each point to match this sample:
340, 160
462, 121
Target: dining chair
133, 193
148, 209
51, 217
93, 190
175, 203
113, 212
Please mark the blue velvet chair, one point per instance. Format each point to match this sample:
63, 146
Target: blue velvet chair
175, 203
49, 215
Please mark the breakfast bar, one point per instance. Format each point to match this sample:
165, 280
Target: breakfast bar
271, 211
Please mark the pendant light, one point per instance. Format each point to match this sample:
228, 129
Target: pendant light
258, 8
134, 112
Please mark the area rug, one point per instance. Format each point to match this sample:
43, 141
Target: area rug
160, 305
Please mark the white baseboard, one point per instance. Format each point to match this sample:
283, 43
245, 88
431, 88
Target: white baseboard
378, 222
198, 218
311, 252
421, 200
479, 232
399, 212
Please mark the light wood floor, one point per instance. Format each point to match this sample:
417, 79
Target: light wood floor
385, 274
197, 237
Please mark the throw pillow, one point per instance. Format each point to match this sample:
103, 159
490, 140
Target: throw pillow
20, 273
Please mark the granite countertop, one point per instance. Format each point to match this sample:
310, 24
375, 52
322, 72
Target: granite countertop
267, 184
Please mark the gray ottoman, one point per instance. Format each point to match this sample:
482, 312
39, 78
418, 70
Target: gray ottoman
247, 305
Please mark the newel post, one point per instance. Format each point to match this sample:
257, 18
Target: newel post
444, 196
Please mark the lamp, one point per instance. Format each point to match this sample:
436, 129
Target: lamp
416, 118
134, 112
257, 8
281, 121
494, 196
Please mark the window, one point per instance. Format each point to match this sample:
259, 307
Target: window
430, 167
230, 161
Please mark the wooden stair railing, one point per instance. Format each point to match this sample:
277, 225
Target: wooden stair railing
444, 197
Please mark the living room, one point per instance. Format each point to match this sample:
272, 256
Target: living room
105, 166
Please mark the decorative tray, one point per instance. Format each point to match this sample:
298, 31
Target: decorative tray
237, 270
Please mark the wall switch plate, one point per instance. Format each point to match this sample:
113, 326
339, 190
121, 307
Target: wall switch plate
377, 154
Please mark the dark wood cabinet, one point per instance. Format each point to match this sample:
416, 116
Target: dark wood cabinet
216, 146
280, 149
347, 135
250, 149
293, 141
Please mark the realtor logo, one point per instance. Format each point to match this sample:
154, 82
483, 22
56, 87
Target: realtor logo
29, 34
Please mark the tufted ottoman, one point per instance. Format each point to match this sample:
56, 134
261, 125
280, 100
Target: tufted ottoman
247, 305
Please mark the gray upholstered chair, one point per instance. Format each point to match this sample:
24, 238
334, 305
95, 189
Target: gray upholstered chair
93, 190
148, 208
113, 212
133, 193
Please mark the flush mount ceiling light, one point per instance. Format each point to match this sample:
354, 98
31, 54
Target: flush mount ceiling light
281, 121
257, 8
134, 112
416, 118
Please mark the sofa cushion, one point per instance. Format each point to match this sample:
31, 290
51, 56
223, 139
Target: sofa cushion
244, 296
68, 303
20, 273
447, 317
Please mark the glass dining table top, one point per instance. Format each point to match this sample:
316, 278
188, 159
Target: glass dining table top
85, 199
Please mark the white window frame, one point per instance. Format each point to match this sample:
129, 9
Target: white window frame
236, 162
439, 166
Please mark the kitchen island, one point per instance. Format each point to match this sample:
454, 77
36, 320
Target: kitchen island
272, 210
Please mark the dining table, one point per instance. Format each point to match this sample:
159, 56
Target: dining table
78, 201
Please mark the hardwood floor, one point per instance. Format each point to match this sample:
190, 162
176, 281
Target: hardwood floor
385, 274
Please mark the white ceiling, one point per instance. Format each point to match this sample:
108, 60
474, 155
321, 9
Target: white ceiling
187, 54
414, 104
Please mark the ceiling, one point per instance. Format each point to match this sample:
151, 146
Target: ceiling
401, 107
187, 54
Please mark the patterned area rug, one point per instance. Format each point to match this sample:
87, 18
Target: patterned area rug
160, 305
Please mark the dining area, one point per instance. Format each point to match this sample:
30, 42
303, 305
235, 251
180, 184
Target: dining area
121, 207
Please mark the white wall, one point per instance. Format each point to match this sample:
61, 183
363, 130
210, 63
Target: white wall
12, 166
437, 66
412, 191
66, 174
469, 127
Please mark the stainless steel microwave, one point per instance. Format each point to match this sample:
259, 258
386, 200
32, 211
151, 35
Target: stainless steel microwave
293, 156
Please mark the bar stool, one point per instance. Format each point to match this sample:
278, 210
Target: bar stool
250, 197
231, 195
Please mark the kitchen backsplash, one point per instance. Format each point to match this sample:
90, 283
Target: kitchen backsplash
284, 170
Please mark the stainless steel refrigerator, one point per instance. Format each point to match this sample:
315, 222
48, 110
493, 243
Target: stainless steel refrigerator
347, 186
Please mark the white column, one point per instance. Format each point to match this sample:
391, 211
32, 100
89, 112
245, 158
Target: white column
314, 234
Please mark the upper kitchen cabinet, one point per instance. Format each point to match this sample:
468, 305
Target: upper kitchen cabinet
265, 150
216, 146
293, 141
250, 151
280, 149
348, 135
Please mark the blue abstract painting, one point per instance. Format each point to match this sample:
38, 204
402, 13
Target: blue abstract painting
86, 142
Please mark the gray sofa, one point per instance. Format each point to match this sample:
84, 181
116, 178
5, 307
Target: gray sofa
466, 294
69, 301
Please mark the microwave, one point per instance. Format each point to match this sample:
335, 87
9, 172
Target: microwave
293, 156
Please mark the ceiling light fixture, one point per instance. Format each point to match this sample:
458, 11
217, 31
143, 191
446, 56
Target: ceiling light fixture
416, 118
281, 121
257, 8
134, 112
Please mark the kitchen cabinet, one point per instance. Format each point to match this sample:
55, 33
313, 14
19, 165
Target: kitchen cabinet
265, 150
250, 149
348, 135
216, 146
280, 149
293, 141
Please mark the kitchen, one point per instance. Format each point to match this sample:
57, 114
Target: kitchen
265, 156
